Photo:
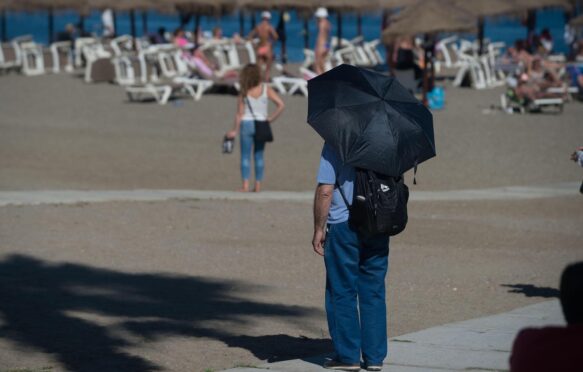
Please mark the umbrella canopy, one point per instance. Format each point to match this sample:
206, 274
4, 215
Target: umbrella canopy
350, 5
33, 5
370, 119
125, 5
535, 4
206, 7
577, 22
430, 17
394, 4
487, 8
302, 5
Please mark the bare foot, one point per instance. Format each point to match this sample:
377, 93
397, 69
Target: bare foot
257, 187
245, 187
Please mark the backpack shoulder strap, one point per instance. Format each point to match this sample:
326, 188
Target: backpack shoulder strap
342, 194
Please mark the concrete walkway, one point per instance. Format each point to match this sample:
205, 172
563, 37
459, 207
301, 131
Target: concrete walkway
73, 196
482, 344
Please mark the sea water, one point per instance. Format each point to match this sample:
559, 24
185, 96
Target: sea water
506, 29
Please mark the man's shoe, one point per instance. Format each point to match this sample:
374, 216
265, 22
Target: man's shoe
339, 366
375, 367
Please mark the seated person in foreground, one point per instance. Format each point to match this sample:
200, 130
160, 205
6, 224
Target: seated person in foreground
555, 348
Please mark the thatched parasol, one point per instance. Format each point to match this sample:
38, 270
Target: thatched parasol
300, 5
487, 8
537, 4
430, 17
395, 4
50, 6
577, 22
127, 5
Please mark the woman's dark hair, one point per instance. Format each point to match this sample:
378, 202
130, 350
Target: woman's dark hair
572, 293
250, 77
519, 45
177, 31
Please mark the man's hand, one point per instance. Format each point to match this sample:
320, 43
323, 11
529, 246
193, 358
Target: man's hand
318, 241
322, 201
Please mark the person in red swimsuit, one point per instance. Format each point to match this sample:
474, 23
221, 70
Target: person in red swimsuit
555, 348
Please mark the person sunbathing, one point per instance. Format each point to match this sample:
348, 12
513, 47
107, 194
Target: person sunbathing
195, 58
267, 35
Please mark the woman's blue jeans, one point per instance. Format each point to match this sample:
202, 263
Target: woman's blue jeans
356, 267
248, 145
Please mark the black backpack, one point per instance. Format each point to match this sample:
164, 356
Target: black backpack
379, 204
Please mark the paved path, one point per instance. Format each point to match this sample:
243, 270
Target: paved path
481, 344
73, 196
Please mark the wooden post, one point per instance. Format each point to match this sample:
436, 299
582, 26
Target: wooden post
282, 36
339, 29
481, 35
133, 28
144, 22
196, 28
51, 26
4, 36
306, 35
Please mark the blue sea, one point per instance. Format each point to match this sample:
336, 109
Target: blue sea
504, 29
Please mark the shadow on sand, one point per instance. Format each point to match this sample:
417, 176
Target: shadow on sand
530, 290
47, 307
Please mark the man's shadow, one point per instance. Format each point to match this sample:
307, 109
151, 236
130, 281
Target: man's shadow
42, 306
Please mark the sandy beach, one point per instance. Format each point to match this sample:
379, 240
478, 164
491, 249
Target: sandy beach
203, 285
59, 133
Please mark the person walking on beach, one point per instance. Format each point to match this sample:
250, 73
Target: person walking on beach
252, 104
322, 44
267, 35
356, 266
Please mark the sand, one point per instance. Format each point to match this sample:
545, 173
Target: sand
59, 133
196, 285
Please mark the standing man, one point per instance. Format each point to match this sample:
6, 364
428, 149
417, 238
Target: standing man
356, 266
108, 23
322, 44
267, 35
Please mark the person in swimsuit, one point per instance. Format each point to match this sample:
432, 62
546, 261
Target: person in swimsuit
253, 104
267, 35
322, 45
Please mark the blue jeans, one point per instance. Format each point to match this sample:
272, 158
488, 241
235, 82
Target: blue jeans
247, 144
356, 267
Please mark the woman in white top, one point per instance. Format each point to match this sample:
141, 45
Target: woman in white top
252, 104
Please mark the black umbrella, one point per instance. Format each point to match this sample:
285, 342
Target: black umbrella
371, 120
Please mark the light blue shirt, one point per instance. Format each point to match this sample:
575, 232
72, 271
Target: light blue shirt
331, 170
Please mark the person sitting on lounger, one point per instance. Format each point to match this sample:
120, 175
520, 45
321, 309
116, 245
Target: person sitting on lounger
267, 35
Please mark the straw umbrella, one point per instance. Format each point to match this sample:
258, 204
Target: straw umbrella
577, 22
51, 6
429, 17
4, 6
485, 8
281, 6
130, 6
530, 6
340, 6
199, 8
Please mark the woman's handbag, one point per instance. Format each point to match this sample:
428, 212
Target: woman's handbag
263, 131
